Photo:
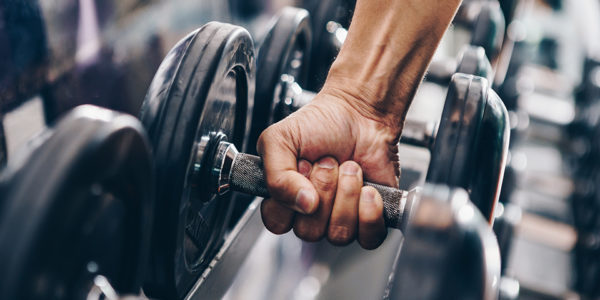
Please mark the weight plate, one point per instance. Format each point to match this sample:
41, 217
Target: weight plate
202, 90
79, 205
285, 51
488, 30
441, 239
473, 61
324, 50
472, 142
3, 149
490, 158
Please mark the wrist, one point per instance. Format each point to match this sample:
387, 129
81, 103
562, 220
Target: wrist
359, 98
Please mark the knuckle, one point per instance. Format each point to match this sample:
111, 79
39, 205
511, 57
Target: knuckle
325, 182
349, 189
309, 233
340, 235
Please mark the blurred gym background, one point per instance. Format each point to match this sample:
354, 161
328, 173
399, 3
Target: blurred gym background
55, 55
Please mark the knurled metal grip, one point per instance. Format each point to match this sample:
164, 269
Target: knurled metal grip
247, 176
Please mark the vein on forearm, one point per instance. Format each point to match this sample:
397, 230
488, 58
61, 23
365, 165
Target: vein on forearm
389, 46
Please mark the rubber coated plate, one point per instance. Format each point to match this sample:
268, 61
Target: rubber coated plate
488, 30
202, 88
285, 50
472, 142
323, 49
79, 205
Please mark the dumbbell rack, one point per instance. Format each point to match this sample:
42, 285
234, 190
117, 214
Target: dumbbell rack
221, 272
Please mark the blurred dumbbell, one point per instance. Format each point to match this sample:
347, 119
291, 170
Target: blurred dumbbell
449, 251
468, 145
471, 60
76, 204
484, 22
23, 53
328, 18
589, 89
508, 216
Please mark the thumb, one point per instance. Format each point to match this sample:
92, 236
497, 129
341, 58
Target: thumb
280, 160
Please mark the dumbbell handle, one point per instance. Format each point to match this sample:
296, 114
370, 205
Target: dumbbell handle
245, 173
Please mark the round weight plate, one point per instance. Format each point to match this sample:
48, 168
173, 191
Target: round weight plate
454, 146
490, 157
472, 60
488, 30
78, 207
203, 89
324, 50
285, 51
472, 142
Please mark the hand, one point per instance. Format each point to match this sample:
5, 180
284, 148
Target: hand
315, 161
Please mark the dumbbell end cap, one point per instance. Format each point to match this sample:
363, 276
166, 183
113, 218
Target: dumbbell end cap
221, 166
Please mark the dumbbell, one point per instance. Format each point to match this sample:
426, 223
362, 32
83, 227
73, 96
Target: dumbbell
468, 146
77, 204
327, 18
199, 101
471, 60
484, 22
217, 168
449, 251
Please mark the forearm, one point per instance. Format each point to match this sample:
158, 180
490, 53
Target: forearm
386, 53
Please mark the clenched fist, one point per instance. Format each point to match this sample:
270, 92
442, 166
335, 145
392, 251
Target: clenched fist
315, 162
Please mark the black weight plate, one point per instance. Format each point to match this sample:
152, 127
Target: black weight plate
472, 142
323, 50
78, 206
473, 61
23, 52
3, 149
488, 30
285, 50
490, 157
203, 87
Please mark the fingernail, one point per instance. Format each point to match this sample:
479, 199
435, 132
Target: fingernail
368, 196
304, 167
327, 163
350, 169
305, 200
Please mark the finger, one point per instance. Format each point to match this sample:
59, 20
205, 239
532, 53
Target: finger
304, 167
285, 184
377, 170
371, 226
277, 218
324, 177
343, 222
